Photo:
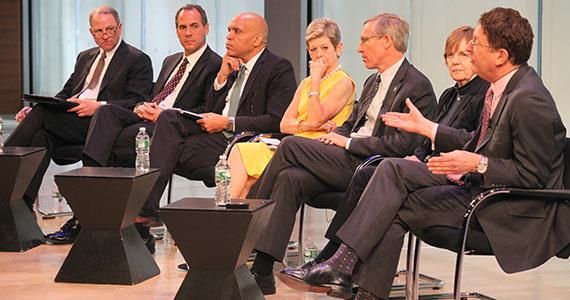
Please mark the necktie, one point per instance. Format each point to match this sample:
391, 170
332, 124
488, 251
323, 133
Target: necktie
235, 96
365, 103
485, 115
172, 83
98, 70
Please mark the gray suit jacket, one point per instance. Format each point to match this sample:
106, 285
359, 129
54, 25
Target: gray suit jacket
390, 141
524, 144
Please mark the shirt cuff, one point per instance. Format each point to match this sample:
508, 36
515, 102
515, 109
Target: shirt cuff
347, 144
432, 137
219, 86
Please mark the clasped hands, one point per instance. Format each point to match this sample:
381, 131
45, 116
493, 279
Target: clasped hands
148, 111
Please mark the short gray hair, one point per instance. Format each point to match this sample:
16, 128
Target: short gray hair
323, 27
104, 10
394, 26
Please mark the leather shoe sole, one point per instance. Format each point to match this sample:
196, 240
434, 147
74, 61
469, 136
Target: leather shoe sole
296, 283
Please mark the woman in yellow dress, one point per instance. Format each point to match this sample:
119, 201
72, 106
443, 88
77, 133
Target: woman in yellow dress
323, 101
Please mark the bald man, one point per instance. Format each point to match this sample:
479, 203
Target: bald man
250, 93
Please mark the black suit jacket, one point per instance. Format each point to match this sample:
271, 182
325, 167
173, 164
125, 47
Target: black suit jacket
128, 78
389, 141
198, 84
459, 127
524, 144
267, 93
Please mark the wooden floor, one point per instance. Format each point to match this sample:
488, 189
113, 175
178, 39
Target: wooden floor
30, 275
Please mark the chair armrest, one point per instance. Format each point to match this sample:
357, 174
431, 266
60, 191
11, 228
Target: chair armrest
372, 160
546, 194
236, 139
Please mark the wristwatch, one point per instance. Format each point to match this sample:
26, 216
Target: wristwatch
482, 165
231, 126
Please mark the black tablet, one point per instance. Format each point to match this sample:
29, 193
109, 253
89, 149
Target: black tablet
64, 104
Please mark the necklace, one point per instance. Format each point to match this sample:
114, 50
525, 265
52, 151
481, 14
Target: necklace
331, 73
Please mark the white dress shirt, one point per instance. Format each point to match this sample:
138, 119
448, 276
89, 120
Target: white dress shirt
92, 94
192, 59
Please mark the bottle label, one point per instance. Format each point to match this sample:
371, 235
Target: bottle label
143, 144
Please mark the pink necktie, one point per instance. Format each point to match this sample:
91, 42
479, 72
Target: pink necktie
485, 115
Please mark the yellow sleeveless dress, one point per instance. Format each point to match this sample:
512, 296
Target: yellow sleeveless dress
256, 156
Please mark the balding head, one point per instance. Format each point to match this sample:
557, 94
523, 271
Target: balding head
247, 35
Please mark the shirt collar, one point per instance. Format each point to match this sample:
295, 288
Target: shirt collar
193, 57
251, 63
112, 51
390, 72
499, 86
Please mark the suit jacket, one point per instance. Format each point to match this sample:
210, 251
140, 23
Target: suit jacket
128, 78
385, 140
461, 125
267, 93
198, 84
524, 144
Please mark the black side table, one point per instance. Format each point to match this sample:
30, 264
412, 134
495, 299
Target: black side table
19, 230
216, 243
108, 248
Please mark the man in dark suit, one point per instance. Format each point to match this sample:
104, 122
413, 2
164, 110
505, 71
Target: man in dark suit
114, 73
303, 168
458, 111
251, 92
184, 82
518, 144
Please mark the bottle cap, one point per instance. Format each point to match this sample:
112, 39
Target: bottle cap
143, 129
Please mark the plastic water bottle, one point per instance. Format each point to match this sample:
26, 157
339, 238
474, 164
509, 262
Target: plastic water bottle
142, 146
1, 134
311, 251
223, 177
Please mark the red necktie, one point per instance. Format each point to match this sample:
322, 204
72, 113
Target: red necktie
171, 84
485, 115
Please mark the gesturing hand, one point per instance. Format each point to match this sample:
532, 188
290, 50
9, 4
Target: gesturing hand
413, 121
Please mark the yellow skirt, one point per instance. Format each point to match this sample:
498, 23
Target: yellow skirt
255, 157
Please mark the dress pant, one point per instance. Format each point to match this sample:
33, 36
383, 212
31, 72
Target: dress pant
111, 137
50, 127
401, 196
300, 169
180, 146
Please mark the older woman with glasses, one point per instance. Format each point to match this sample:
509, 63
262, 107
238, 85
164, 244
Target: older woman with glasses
322, 101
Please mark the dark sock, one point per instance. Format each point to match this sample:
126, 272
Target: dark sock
363, 294
343, 260
328, 251
144, 231
263, 264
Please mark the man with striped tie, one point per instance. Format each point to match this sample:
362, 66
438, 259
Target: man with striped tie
184, 80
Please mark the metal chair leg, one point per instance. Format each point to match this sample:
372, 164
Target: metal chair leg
416, 270
169, 195
410, 267
300, 242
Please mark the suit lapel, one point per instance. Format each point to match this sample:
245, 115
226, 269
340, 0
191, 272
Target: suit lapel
393, 89
193, 73
251, 79
461, 105
91, 56
114, 66
501, 105
162, 80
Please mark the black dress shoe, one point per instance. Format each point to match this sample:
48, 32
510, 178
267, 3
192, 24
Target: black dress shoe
299, 272
183, 267
66, 234
148, 239
266, 283
320, 278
